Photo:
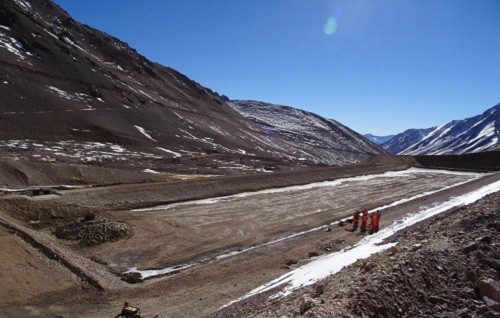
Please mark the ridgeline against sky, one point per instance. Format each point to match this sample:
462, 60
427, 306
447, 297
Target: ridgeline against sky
377, 66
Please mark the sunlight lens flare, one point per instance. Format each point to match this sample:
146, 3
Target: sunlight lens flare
330, 26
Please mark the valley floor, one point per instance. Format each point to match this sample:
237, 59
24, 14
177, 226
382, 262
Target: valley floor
232, 244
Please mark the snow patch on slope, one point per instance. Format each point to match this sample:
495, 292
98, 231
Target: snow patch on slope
144, 132
176, 154
14, 46
23, 4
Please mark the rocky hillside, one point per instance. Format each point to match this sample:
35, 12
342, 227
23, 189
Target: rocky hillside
475, 134
70, 89
308, 135
61, 80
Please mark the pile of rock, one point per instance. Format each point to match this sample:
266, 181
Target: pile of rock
91, 230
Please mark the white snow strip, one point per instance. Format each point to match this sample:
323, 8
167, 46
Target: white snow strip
51, 34
330, 264
117, 148
158, 272
143, 131
150, 171
25, 5
5, 27
333, 183
176, 154
143, 93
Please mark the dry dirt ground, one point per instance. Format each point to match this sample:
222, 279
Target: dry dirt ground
180, 233
189, 231
446, 266
19, 258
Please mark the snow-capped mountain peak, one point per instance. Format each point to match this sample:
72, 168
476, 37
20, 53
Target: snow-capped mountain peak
474, 134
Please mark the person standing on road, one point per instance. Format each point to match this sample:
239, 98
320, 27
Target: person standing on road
374, 222
355, 222
364, 220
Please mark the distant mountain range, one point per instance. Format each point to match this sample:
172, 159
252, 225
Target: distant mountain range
475, 134
470, 135
306, 134
62, 81
378, 140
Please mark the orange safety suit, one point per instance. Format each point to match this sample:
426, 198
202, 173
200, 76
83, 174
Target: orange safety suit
364, 221
355, 219
374, 222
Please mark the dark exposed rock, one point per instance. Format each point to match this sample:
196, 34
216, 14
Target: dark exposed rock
132, 278
307, 303
89, 217
319, 289
495, 264
492, 304
487, 239
471, 276
437, 300
489, 288
494, 225
463, 313
470, 247
291, 262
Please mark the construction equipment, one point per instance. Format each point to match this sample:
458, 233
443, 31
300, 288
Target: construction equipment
130, 312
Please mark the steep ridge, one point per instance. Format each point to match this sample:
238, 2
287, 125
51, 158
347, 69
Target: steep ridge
475, 134
405, 139
309, 135
64, 81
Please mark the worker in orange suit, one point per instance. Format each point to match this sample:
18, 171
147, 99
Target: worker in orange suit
355, 222
364, 220
374, 222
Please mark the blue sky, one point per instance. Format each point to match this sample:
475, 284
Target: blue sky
376, 66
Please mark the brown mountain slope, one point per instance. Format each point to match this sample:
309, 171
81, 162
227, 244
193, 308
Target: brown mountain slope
71, 91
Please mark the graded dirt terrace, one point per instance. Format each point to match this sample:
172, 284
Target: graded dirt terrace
182, 232
20, 258
202, 289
